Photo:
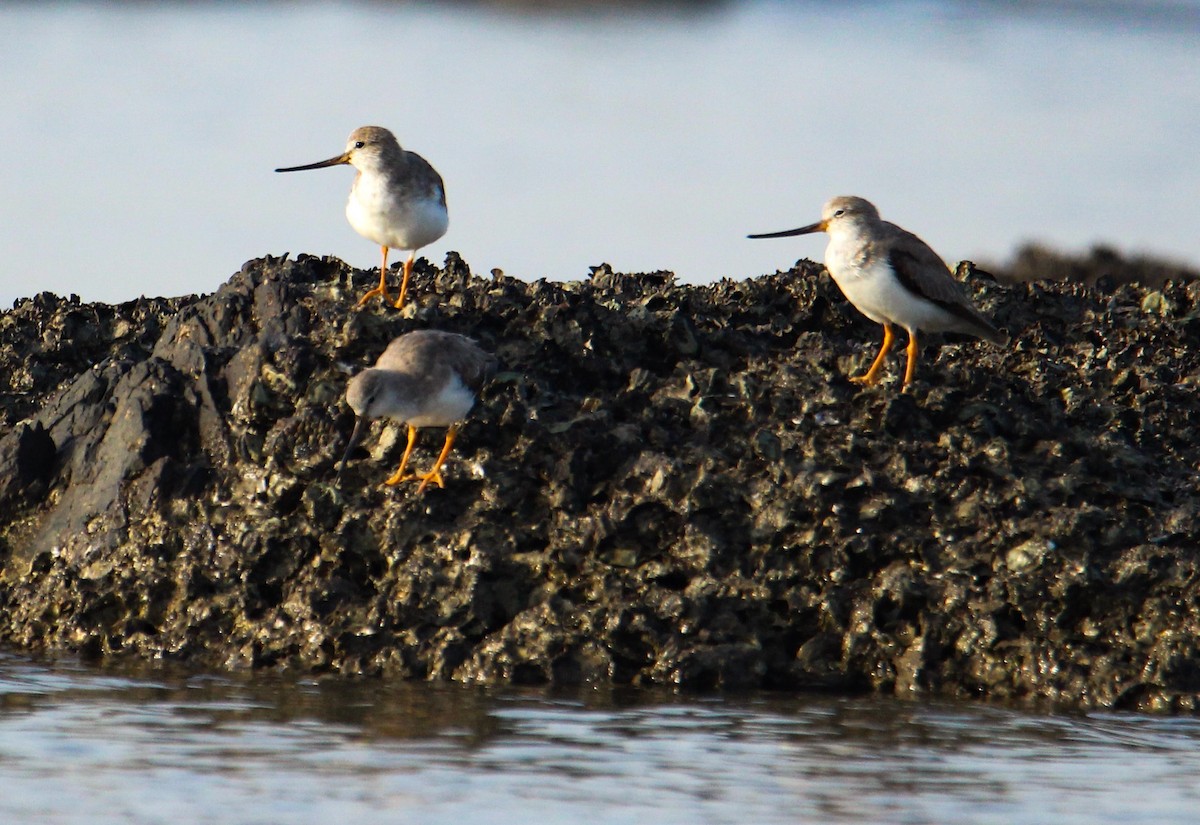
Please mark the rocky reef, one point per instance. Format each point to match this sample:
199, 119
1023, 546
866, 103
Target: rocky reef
663, 484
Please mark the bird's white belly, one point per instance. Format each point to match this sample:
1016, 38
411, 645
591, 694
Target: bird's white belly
878, 294
397, 223
452, 403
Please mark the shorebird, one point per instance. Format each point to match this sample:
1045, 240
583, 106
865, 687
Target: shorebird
426, 378
892, 277
397, 200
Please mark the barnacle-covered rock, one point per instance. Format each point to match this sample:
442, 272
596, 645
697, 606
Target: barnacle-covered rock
663, 484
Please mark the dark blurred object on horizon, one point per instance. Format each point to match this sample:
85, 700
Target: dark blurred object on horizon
607, 7
1100, 264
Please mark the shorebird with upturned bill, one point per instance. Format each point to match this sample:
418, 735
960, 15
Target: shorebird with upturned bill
398, 200
426, 378
892, 277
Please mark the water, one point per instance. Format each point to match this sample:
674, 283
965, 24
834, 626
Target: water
82, 746
140, 138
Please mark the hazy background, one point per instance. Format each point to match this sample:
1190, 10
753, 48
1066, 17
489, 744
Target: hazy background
138, 140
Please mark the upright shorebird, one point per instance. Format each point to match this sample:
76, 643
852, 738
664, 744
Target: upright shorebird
892, 277
423, 379
397, 200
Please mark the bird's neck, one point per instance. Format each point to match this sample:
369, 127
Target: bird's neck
845, 240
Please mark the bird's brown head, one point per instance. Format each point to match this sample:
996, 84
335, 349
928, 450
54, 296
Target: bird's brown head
363, 147
848, 209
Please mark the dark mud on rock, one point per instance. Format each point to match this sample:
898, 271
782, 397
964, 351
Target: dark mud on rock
663, 484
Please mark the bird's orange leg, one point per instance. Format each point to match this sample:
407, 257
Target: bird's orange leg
399, 475
871, 376
911, 369
404, 284
435, 474
382, 288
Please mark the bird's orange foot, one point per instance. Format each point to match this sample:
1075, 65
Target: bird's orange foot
403, 293
866, 379
379, 290
398, 477
435, 476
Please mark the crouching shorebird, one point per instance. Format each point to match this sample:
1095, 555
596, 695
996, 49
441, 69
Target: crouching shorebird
397, 200
423, 379
892, 277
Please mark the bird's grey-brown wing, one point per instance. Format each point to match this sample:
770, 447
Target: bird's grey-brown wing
428, 352
471, 363
421, 177
408, 353
924, 273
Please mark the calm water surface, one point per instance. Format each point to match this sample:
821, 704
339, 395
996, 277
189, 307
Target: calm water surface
140, 138
82, 746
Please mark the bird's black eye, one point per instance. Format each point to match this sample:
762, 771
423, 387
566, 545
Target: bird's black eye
358, 144
839, 213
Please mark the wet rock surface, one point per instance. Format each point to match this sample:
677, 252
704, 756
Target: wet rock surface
663, 484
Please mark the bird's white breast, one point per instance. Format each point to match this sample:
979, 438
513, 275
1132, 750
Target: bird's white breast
451, 403
400, 219
871, 285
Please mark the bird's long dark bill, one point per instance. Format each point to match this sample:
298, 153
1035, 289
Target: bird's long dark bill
819, 226
360, 427
342, 158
